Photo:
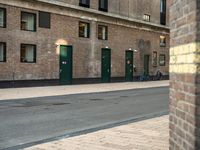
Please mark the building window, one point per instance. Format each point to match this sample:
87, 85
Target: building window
162, 41
162, 60
44, 20
84, 29
28, 53
103, 5
2, 52
163, 12
146, 17
102, 32
2, 17
84, 3
155, 59
28, 21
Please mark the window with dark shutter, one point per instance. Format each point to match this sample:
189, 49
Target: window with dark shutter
163, 12
44, 20
84, 3
103, 5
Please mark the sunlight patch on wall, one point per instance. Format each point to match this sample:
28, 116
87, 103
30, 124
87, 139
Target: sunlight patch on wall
58, 43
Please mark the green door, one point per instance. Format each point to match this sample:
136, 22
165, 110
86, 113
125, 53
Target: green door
129, 66
65, 64
146, 65
106, 65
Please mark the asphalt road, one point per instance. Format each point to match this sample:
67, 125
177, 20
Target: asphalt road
25, 121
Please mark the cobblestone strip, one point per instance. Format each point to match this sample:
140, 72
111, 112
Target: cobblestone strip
151, 134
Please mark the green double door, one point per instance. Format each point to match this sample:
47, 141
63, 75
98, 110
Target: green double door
146, 65
129, 66
105, 65
66, 64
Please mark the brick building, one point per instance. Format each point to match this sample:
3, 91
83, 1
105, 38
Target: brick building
83, 39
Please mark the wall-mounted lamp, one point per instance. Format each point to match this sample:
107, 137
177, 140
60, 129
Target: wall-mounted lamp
107, 47
135, 50
57, 45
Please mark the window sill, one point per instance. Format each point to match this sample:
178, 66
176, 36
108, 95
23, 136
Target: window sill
147, 20
29, 30
163, 46
103, 39
84, 5
44, 28
84, 37
102, 9
28, 62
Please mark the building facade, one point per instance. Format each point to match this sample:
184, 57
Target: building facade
83, 39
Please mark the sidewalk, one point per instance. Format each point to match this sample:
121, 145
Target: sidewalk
151, 134
17, 93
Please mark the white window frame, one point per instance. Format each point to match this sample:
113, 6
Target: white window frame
29, 21
28, 57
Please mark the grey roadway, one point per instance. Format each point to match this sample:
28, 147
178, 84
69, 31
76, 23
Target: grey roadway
25, 121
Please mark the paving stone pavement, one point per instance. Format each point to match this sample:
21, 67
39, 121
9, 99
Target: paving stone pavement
151, 134
17, 93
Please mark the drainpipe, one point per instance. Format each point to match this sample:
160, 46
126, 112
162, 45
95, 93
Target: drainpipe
13, 79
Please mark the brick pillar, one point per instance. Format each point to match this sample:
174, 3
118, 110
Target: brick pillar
184, 75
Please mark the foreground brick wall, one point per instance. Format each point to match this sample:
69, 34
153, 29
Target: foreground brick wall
184, 73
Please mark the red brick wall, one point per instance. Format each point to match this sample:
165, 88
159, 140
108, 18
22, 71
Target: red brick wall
87, 51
